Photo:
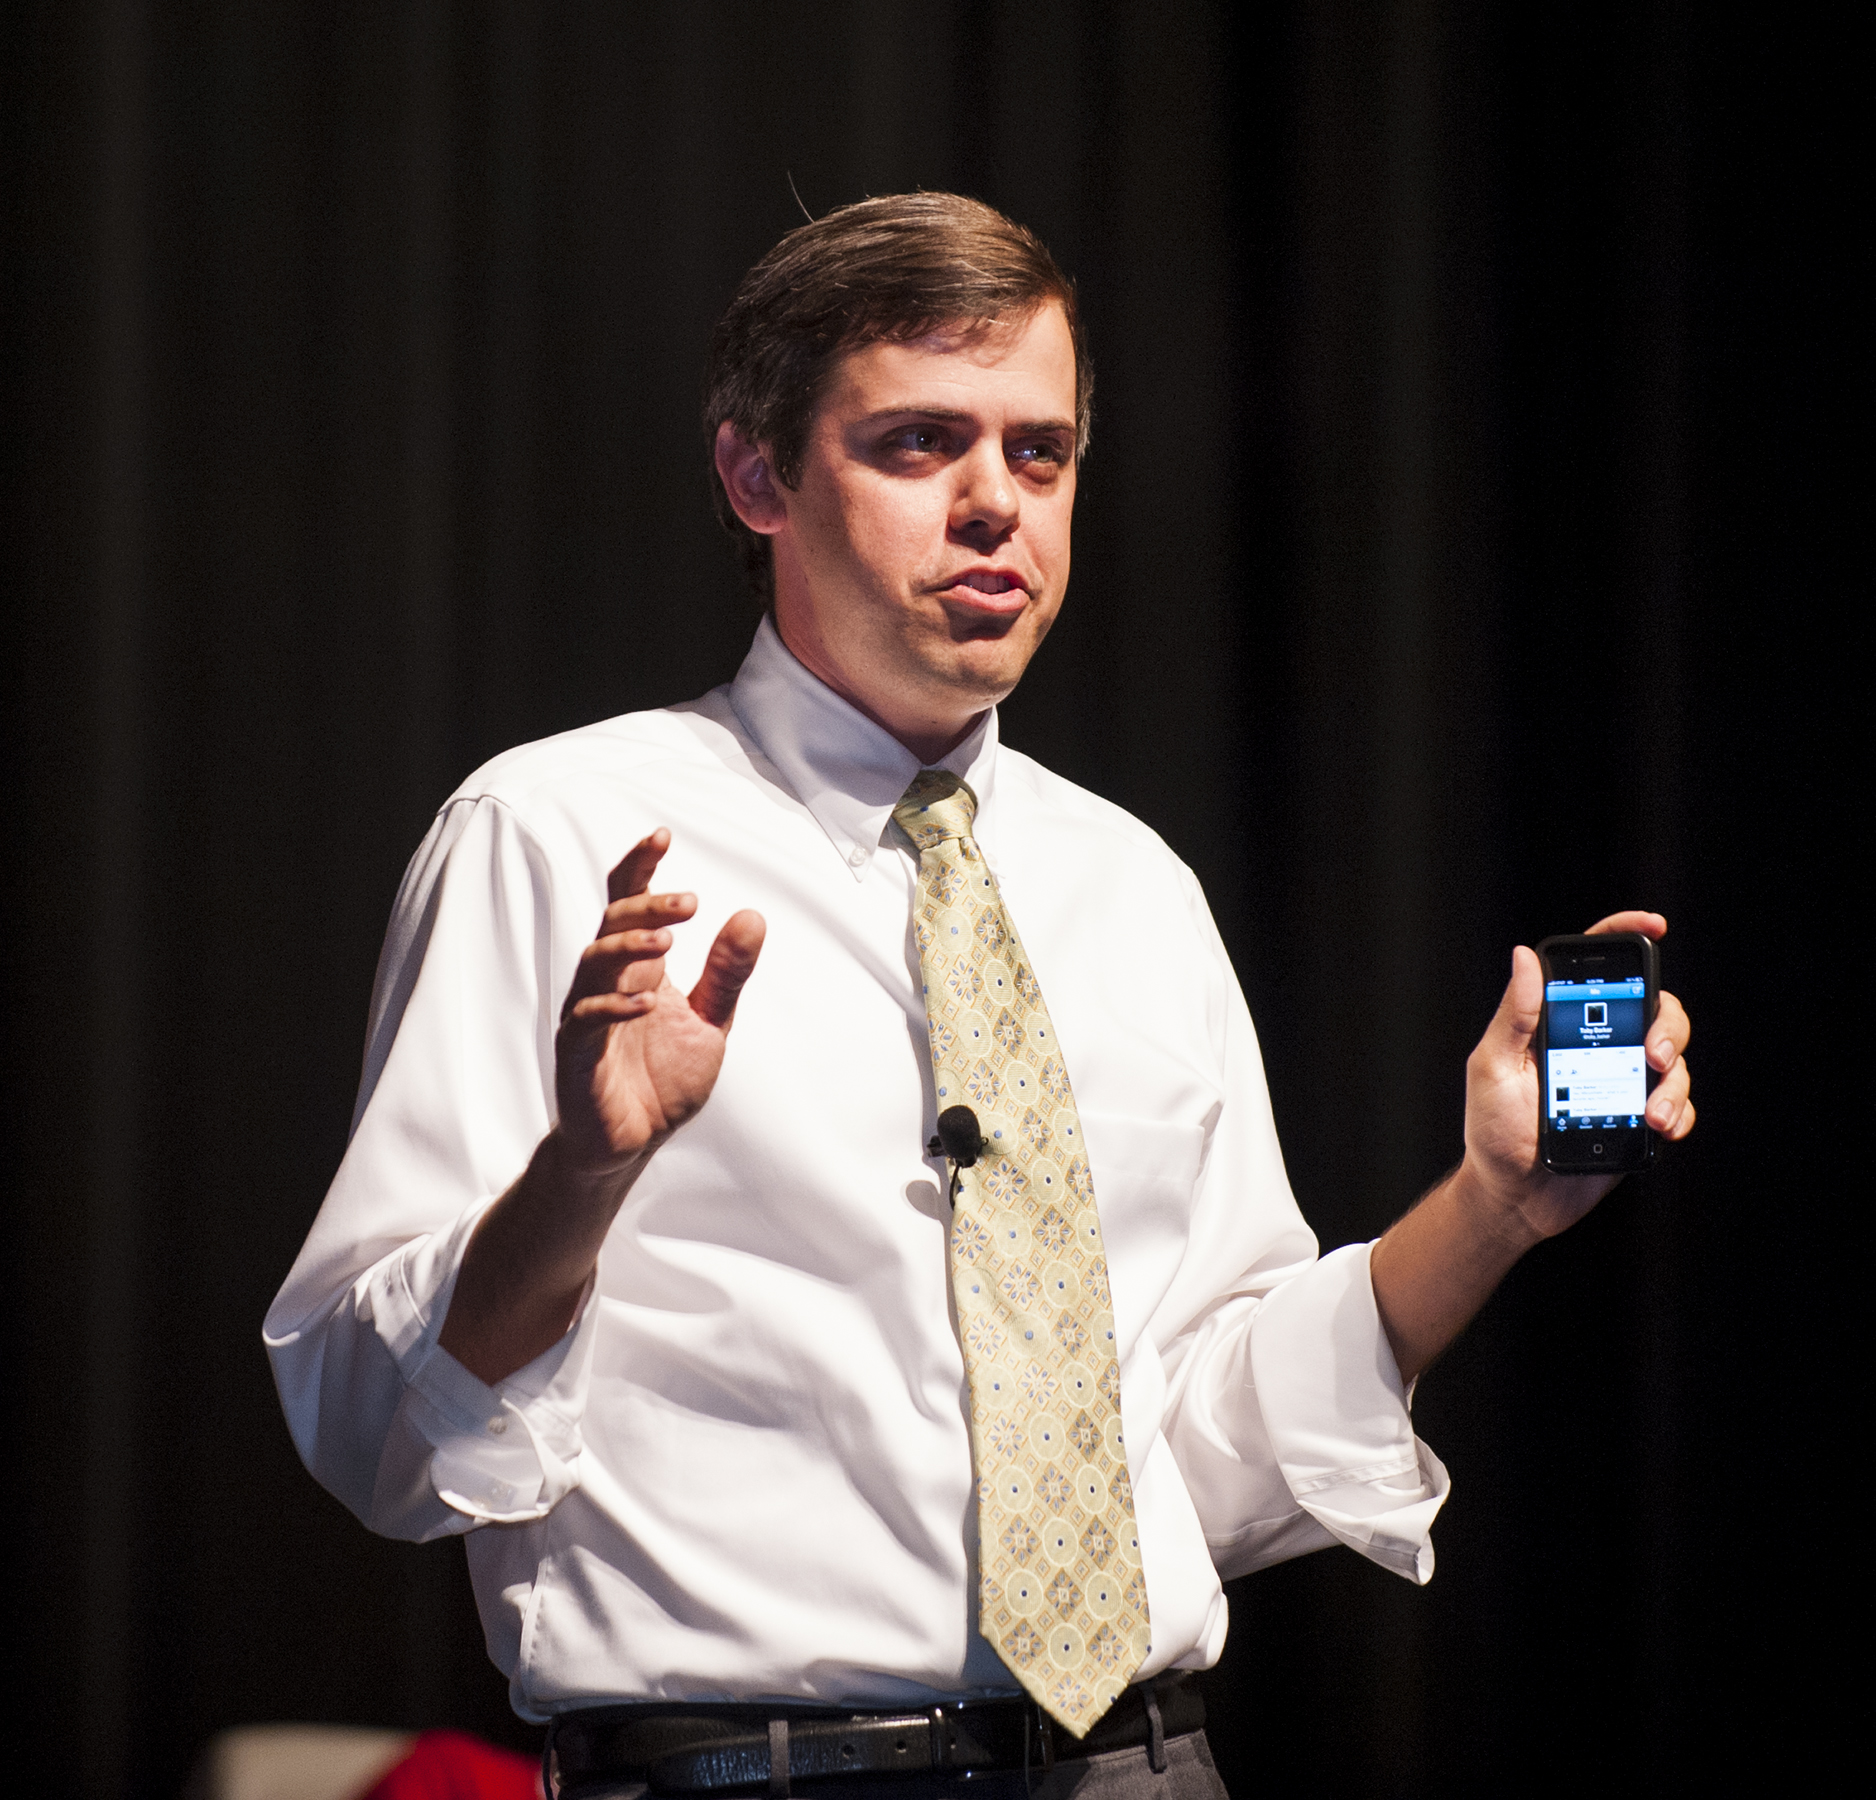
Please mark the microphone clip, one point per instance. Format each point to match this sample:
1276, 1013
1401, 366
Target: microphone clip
961, 1139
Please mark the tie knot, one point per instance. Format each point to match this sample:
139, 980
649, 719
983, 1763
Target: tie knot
938, 805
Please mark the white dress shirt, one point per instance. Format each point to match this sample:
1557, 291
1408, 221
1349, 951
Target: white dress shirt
745, 1472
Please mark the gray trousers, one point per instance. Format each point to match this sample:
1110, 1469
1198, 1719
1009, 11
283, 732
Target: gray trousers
1116, 1775
1113, 1775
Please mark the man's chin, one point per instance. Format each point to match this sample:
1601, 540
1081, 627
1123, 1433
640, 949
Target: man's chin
982, 667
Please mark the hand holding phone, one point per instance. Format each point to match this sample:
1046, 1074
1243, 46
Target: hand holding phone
1438, 1263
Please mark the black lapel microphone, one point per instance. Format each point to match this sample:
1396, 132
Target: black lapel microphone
960, 1138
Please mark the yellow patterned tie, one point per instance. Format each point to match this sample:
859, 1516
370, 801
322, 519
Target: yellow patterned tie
1061, 1593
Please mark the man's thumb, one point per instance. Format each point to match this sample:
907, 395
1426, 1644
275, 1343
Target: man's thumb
1515, 1022
732, 960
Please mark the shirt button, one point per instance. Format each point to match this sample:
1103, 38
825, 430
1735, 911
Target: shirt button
856, 856
497, 1427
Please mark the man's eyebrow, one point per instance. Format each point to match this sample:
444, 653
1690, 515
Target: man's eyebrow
955, 415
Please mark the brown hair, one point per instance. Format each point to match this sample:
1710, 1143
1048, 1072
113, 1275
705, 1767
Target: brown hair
889, 269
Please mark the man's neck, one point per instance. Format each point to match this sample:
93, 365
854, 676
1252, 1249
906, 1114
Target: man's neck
930, 741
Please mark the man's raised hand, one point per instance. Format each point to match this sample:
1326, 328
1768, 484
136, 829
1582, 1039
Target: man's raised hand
634, 1057
1439, 1264
1503, 1098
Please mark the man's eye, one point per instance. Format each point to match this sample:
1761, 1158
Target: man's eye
920, 439
1029, 455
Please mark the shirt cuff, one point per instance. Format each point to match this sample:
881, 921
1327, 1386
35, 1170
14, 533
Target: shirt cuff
501, 1454
1336, 1411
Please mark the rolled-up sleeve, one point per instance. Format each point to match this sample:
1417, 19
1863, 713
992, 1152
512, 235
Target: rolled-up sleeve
457, 1092
1293, 1431
1285, 1409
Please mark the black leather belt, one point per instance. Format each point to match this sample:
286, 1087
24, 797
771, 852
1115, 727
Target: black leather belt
709, 1748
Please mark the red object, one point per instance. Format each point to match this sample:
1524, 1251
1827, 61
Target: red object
452, 1765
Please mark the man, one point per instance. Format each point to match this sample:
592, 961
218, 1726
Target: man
874, 1394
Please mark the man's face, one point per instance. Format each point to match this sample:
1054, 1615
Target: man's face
924, 553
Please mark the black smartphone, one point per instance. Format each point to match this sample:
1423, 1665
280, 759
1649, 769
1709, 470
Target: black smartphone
1599, 1000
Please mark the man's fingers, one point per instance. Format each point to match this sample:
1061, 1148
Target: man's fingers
1669, 1099
646, 912
1674, 1116
731, 962
633, 875
1668, 1035
1647, 923
595, 1015
609, 1009
627, 961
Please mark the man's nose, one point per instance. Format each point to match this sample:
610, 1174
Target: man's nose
987, 504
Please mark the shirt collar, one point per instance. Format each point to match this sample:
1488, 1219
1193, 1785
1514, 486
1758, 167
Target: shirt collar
847, 771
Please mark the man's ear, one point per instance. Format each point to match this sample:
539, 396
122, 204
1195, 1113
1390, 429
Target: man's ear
749, 481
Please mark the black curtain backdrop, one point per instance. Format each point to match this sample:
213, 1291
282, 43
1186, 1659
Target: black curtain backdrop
1452, 568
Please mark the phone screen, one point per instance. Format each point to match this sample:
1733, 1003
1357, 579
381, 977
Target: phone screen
1597, 1078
